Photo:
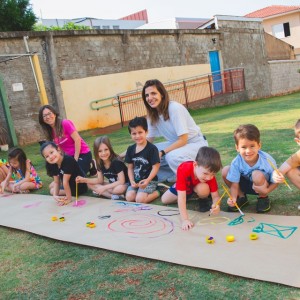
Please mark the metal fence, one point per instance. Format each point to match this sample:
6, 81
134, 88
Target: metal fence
189, 92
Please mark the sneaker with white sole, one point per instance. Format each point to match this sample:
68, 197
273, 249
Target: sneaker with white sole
117, 197
263, 205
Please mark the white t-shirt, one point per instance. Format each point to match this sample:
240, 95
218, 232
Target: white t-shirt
180, 123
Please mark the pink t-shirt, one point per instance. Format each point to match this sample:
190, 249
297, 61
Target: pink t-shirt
66, 143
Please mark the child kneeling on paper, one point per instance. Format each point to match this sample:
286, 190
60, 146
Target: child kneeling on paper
143, 164
250, 172
196, 176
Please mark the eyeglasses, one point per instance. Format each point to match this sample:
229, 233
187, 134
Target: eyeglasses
49, 114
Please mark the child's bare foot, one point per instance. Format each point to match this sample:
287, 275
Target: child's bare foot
61, 200
64, 202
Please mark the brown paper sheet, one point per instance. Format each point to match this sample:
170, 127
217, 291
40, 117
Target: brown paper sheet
154, 232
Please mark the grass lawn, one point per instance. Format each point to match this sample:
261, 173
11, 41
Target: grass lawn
34, 267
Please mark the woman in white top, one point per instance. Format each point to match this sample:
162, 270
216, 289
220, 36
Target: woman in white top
171, 120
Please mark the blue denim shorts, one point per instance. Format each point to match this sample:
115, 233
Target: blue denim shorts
150, 188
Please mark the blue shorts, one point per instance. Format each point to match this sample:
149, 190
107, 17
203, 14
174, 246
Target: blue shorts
173, 190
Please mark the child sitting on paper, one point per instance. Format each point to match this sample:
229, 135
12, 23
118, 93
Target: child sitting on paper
250, 172
291, 167
196, 176
143, 164
109, 167
64, 169
3, 169
21, 176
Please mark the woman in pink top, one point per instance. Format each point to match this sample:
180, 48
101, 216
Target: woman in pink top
64, 134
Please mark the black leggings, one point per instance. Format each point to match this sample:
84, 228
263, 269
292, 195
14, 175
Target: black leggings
84, 162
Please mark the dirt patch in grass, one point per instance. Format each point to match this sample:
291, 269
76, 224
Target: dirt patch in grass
99, 256
82, 296
137, 269
168, 293
58, 265
132, 281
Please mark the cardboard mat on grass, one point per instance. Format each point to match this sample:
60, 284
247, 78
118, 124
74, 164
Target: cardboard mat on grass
154, 231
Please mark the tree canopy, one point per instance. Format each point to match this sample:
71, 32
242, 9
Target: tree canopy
16, 15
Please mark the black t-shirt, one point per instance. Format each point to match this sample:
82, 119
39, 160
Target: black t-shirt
114, 169
68, 166
142, 161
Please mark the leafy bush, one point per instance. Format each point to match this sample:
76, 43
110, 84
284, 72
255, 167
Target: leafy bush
67, 26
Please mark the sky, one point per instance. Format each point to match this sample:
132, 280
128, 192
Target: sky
156, 9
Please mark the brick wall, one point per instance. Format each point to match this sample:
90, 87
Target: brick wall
285, 76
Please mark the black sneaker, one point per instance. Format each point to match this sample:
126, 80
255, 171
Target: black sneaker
263, 205
241, 201
93, 169
162, 188
205, 204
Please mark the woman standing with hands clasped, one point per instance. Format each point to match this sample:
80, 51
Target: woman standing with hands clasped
172, 121
64, 134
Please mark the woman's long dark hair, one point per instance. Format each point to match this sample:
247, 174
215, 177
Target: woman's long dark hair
47, 128
154, 113
103, 140
20, 155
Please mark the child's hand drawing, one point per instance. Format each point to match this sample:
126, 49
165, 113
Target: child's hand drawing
231, 202
186, 225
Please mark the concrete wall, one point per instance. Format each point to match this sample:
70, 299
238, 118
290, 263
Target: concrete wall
246, 48
80, 92
285, 76
74, 55
277, 49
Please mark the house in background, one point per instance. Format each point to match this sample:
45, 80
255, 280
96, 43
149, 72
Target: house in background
175, 23
275, 48
282, 22
129, 22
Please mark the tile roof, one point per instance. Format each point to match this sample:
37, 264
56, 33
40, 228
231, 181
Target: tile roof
272, 10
